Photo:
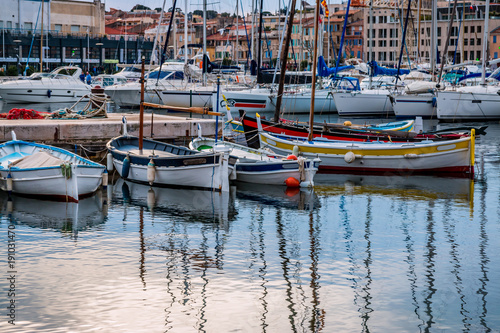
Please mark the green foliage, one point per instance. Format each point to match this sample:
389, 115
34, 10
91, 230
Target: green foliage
12, 71
225, 14
304, 64
2, 73
226, 62
140, 7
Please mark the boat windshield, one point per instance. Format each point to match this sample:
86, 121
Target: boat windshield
167, 75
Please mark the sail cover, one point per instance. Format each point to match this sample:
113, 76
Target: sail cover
324, 70
378, 70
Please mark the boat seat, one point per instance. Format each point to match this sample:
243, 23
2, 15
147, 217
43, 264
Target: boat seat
151, 152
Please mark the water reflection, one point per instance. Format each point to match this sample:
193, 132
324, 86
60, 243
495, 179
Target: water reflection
67, 217
278, 196
185, 204
413, 188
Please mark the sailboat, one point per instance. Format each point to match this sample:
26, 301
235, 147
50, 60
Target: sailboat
475, 102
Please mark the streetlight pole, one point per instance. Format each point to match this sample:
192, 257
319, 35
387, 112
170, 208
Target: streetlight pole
88, 46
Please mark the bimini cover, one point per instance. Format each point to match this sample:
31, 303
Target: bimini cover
324, 70
378, 70
39, 159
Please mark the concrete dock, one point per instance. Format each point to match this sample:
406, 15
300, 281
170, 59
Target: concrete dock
97, 131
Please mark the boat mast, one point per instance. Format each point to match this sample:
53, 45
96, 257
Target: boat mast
237, 34
370, 48
204, 43
260, 43
41, 41
433, 47
141, 109
315, 60
186, 32
284, 53
445, 53
485, 42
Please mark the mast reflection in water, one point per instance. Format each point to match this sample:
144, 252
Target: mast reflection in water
357, 254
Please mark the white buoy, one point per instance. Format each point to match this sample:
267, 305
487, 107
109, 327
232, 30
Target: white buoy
151, 174
109, 162
295, 151
349, 157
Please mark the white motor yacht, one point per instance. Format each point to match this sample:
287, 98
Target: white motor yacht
62, 85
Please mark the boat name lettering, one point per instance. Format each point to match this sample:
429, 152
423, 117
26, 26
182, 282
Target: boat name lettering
195, 161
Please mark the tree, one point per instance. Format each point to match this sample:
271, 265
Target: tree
12, 71
225, 14
304, 64
140, 7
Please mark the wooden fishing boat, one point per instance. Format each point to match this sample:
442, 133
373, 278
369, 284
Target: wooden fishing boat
163, 164
44, 171
428, 156
261, 167
342, 132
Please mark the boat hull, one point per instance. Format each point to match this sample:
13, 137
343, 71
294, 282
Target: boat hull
411, 106
51, 184
42, 95
255, 101
459, 106
454, 156
273, 173
363, 104
75, 178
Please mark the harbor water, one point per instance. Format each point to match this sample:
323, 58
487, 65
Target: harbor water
389, 253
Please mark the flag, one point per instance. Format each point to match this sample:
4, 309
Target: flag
320, 14
327, 13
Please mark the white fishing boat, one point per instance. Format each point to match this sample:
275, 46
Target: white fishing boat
162, 164
261, 167
54, 88
44, 171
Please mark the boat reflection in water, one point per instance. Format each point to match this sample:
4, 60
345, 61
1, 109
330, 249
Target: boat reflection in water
67, 217
415, 187
186, 204
278, 196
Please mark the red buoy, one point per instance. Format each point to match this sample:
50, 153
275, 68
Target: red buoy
292, 182
291, 157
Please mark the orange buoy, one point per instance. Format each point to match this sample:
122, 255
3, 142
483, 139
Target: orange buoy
291, 157
292, 182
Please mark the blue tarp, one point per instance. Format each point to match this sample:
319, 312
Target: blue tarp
377, 70
324, 70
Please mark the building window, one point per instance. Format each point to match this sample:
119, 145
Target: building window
478, 41
472, 29
466, 30
495, 55
439, 32
494, 40
28, 25
478, 29
472, 41
9, 24
75, 28
58, 27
